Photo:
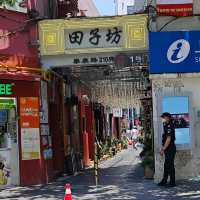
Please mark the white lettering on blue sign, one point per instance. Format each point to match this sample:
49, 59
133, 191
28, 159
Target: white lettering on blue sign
178, 51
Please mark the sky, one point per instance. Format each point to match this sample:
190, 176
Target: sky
105, 7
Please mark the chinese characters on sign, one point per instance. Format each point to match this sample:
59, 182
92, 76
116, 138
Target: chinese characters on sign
135, 59
30, 133
139, 59
175, 7
94, 60
132, 60
94, 38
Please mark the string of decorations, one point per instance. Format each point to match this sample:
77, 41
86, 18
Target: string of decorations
117, 94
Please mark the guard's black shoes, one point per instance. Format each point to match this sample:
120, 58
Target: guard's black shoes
171, 185
162, 183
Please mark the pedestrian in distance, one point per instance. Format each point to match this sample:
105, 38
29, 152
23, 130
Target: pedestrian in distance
134, 137
168, 149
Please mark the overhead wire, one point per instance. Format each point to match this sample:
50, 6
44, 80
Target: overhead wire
21, 28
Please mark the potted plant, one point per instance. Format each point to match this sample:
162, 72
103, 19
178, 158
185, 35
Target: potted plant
114, 146
119, 145
148, 164
125, 143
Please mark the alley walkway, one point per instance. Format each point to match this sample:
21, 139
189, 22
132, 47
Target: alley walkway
121, 178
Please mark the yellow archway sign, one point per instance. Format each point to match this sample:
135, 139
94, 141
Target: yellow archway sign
93, 35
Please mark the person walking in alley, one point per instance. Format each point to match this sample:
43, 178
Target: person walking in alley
168, 149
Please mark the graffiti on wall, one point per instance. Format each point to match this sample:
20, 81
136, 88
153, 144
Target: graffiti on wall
174, 85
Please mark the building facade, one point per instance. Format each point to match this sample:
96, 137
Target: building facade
124, 7
175, 90
88, 8
29, 140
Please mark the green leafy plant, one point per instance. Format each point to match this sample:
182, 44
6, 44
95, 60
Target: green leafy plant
148, 161
140, 139
7, 2
114, 142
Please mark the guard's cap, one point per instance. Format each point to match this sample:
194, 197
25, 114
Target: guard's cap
166, 114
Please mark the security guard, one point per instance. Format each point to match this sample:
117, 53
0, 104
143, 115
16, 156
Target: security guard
169, 149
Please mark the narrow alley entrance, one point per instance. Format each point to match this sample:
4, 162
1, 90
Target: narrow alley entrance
104, 65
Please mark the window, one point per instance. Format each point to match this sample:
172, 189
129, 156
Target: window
122, 6
178, 107
130, 10
8, 124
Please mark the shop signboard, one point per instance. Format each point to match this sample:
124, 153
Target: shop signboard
175, 7
30, 133
131, 59
94, 35
179, 52
6, 88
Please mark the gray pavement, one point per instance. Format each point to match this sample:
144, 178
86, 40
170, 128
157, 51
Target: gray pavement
120, 178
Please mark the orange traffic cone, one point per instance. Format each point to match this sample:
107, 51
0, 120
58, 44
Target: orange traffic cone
68, 193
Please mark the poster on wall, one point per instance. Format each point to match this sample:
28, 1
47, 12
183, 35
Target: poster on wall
175, 7
44, 129
29, 112
30, 142
5, 168
30, 132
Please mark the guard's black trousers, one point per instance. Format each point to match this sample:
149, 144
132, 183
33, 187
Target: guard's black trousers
169, 169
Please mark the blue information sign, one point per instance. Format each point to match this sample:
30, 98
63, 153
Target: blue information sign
174, 52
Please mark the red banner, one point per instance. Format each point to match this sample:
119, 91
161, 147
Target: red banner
175, 7
29, 112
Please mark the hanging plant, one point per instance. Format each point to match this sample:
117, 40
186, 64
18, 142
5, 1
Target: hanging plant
7, 2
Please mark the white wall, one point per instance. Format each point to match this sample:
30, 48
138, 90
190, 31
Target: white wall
89, 6
187, 161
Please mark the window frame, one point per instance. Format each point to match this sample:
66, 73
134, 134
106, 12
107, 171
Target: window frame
180, 94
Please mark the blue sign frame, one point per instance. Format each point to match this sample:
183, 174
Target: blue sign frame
174, 52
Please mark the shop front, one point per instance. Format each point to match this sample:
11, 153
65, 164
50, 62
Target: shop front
9, 152
20, 148
175, 82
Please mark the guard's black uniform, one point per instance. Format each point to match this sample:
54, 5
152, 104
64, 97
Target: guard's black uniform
169, 169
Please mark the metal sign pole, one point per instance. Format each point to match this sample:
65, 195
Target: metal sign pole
96, 163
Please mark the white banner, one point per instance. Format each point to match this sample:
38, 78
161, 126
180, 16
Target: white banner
117, 112
30, 141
